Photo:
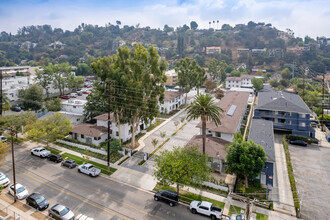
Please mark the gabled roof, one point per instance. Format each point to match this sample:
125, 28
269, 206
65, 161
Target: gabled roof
170, 95
104, 117
262, 133
91, 130
269, 99
229, 123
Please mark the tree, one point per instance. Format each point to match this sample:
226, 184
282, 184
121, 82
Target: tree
154, 142
49, 129
286, 74
62, 73
162, 134
274, 83
3, 151
210, 86
16, 122
180, 45
96, 103
190, 75
193, 25
204, 107
54, 105
45, 78
75, 82
245, 158
139, 77
181, 166
32, 97
217, 69
176, 123
284, 82
258, 84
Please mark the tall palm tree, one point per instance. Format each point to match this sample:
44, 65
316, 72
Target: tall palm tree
205, 108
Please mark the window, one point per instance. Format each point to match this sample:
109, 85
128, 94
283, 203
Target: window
302, 115
202, 207
117, 133
97, 138
289, 122
218, 134
74, 106
82, 136
302, 124
289, 113
78, 119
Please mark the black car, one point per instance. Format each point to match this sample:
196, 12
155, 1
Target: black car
16, 108
169, 196
298, 142
37, 201
69, 163
55, 157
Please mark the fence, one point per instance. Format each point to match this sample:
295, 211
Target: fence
84, 147
7, 210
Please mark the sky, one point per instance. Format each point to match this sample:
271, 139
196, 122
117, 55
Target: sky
304, 17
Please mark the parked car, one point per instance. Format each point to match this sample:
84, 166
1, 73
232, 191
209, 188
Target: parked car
85, 92
4, 181
89, 86
206, 208
60, 212
37, 201
21, 191
169, 196
79, 93
65, 97
69, 163
298, 142
40, 152
55, 157
89, 169
3, 138
16, 108
73, 95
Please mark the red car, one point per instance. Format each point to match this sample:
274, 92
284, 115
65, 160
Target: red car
89, 86
65, 97
85, 92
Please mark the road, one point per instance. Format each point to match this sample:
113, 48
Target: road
100, 197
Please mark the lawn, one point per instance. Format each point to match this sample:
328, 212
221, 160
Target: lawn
169, 114
255, 190
262, 216
189, 197
158, 122
235, 210
80, 160
53, 150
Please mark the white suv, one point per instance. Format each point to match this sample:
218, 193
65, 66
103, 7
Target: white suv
4, 181
40, 152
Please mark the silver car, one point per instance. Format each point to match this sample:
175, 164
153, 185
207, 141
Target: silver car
61, 212
4, 181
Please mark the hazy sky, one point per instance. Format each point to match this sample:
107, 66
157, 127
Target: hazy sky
304, 17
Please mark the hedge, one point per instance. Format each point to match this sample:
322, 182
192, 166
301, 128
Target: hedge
303, 138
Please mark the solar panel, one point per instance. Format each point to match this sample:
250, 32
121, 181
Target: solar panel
231, 110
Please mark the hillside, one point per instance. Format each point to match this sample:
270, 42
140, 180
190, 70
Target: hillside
39, 45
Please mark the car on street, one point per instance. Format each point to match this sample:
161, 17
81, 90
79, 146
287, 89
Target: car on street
55, 157
206, 208
169, 196
60, 212
37, 201
73, 95
89, 86
89, 169
3, 138
40, 152
4, 181
65, 97
85, 92
79, 93
298, 142
21, 191
69, 163
16, 108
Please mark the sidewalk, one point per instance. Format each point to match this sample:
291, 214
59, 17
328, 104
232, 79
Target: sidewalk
321, 136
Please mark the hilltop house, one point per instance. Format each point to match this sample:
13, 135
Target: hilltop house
74, 106
172, 101
287, 111
261, 132
213, 50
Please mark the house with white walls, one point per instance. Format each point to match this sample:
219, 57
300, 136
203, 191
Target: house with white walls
74, 106
172, 100
245, 81
98, 132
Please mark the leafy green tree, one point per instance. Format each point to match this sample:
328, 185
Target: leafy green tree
3, 153
75, 82
284, 82
193, 25
154, 142
54, 105
180, 45
83, 69
139, 77
190, 75
181, 166
16, 122
96, 103
245, 158
258, 84
45, 78
274, 83
62, 73
49, 129
200, 59
217, 69
32, 97
286, 74
204, 107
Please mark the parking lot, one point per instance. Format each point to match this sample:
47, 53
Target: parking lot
311, 168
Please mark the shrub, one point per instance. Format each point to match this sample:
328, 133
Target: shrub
298, 137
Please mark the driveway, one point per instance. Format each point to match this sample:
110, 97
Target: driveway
311, 168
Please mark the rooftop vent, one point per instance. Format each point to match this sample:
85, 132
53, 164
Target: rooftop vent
231, 110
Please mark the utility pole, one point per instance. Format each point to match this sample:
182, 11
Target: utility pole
109, 112
13, 160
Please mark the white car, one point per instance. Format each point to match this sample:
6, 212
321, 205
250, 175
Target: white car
89, 169
21, 191
40, 152
73, 95
60, 212
4, 181
3, 138
206, 208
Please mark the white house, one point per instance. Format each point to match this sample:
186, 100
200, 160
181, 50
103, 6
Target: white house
12, 84
75, 118
172, 101
213, 50
98, 133
234, 105
250, 91
74, 106
245, 81
172, 77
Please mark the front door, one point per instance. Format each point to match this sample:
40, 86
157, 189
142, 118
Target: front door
88, 140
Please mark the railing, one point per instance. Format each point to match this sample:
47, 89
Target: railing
10, 212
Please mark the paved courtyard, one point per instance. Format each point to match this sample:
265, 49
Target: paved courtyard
311, 168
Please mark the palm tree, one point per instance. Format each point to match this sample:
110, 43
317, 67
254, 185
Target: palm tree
205, 108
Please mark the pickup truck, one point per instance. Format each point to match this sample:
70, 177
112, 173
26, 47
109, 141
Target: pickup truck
206, 208
89, 169
40, 152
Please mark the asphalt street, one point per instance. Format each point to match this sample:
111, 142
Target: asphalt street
100, 197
